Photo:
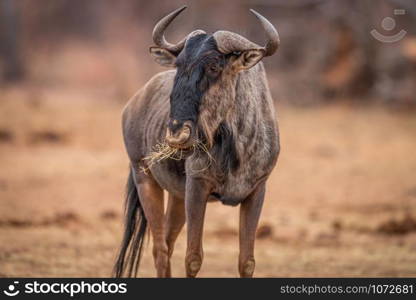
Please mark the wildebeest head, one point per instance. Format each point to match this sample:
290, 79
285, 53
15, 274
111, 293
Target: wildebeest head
206, 65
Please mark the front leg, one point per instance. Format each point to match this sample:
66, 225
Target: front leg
197, 191
249, 218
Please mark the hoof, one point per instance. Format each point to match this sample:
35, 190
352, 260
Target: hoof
193, 268
248, 269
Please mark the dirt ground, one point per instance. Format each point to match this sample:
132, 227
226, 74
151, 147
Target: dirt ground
341, 202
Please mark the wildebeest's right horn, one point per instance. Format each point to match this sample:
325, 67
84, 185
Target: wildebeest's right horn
232, 42
160, 27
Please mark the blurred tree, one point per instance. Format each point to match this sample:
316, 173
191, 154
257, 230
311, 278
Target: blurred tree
351, 63
10, 51
327, 50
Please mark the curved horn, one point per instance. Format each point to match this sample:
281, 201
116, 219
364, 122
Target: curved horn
273, 41
232, 42
160, 27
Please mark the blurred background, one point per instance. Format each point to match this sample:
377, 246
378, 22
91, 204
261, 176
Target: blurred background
342, 200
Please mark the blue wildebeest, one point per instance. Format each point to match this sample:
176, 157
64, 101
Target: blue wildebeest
211, 128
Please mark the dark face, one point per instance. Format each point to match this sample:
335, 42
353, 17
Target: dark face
199, 66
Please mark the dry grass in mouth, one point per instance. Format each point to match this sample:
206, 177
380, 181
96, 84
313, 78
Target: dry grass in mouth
162, 151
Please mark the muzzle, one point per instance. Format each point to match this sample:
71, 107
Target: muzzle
182, 137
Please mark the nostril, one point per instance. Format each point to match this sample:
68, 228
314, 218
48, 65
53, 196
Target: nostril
186, 129
175, 126
179, 137
188, 124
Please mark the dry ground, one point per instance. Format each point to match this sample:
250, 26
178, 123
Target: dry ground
340, 203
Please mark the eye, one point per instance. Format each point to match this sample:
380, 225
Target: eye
213, 69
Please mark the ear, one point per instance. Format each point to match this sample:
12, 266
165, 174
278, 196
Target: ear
248, 59
163, 57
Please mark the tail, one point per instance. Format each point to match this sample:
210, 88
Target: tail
134, 232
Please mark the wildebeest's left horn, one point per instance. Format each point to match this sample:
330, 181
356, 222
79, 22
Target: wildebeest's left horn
229, 42
160, 27
271, 32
